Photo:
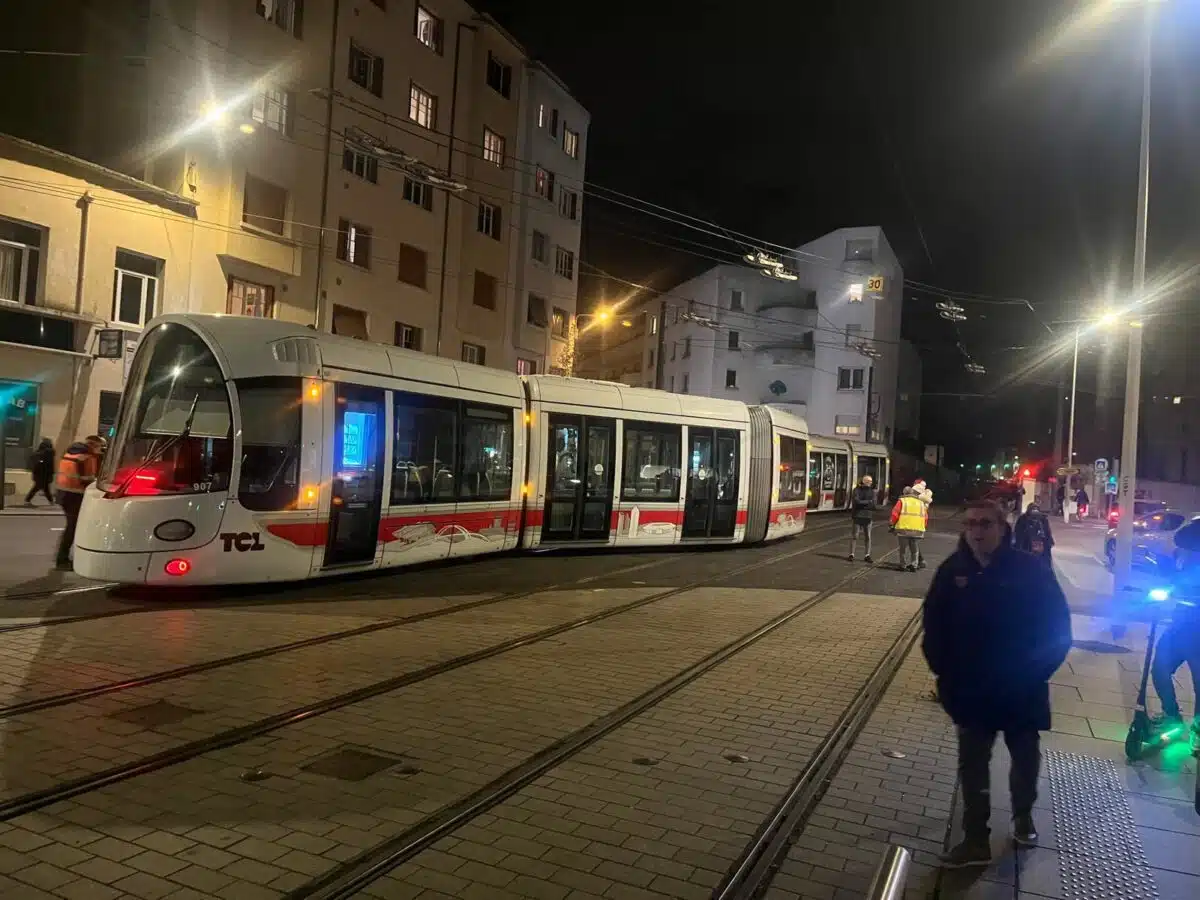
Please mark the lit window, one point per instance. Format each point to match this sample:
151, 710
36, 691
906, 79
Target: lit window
526, 367
559, 322
422, 107
856, 293
541, 115
429, 29
493, 147
571, 142
543, 183
354, 244
249, 299
847, 425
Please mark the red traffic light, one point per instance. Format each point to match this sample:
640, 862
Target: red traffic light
1026, 473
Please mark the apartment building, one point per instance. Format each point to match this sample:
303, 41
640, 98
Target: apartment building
401, 172
826, 346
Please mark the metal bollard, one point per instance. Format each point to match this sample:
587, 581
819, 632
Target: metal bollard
891, 875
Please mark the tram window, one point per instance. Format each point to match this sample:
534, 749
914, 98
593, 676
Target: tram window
423, 454
793, 455
485, 466
174, 434
652, 458
271, 413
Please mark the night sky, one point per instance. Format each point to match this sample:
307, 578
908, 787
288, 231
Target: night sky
998, 152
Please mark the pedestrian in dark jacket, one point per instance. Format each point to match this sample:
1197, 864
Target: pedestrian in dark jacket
997, 627
1032, 533
863, 503
41, 470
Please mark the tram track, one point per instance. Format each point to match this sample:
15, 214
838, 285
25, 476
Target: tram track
66, 698
347, 879
372, 579
39, 799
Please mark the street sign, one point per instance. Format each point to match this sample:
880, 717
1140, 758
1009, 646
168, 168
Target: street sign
1067, 470
1101, 466
875, 284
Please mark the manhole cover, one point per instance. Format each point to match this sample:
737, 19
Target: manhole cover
155, 715
737, 757
895, 754
349, 764
255, 775
1100, 647
644, 761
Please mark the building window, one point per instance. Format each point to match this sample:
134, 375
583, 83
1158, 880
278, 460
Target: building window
654, 325
564, 263
350, 322
418, 193
543, 183
354, 243
850, 379
414, 266
687, 347
535, 311
736, 301
568, 204
571, 142
488, 220
366, 69
135, 287
560, 322
674, 350
499, 76
283, 14
855, 293
853, 334
847, 425
485, 290
20, 258
684, 389
473, 353
493, 147
264, 205
246, 298
273, 109
554, 123
422, 107
364, 165
860, 250
672, 382
731, 378
526, 367
649, 359
429, 30
407, 336
734, 337
539, 247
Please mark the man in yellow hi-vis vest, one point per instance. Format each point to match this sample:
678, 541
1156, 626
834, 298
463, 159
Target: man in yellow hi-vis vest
909, 519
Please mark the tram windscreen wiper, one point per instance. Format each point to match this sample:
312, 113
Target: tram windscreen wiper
155, 455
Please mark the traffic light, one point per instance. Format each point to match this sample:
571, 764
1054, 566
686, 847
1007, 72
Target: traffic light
1026, 473
978, 466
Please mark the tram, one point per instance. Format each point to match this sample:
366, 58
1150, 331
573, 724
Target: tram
251, 450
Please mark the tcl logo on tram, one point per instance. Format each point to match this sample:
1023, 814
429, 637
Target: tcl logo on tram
242, 541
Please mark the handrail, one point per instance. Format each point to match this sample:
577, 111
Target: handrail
891, 875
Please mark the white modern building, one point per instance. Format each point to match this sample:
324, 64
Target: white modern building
825, 345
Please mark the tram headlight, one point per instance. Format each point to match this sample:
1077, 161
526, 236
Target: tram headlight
174, 530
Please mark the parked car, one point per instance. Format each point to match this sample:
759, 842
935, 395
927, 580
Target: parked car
1153, 538
1141, 509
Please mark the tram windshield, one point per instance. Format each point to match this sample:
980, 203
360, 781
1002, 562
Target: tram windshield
174, 433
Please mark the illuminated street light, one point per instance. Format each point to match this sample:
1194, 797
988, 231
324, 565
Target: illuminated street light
1105, 320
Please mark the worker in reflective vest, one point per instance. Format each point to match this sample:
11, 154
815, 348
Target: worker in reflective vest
909, 519
76, 470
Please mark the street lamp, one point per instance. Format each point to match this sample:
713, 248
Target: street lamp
1133, 371
1105, 321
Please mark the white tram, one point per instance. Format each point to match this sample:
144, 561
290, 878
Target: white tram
252, 450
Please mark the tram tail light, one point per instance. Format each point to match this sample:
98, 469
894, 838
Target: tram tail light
178, 567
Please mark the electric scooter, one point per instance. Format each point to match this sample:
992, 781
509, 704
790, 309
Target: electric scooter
1141, 728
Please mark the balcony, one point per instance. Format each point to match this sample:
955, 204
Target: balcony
787, 351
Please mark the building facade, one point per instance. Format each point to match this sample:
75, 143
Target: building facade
400, 172
826, 346
908, 392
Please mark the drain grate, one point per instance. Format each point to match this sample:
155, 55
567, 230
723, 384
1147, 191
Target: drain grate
155, 715
350, 764
1102, 856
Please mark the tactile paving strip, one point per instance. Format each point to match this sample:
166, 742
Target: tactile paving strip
1102, 856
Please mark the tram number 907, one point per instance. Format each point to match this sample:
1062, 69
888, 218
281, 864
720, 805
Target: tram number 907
242, 541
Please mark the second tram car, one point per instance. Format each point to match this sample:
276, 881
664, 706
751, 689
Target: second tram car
252, 450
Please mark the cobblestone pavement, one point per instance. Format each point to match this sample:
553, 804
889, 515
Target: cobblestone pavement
658, 807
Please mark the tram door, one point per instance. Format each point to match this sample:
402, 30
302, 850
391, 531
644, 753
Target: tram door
712, 485
357, 488
579, 492
841, 493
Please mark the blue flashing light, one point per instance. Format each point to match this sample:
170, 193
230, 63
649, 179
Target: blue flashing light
357, 433
1158, 595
